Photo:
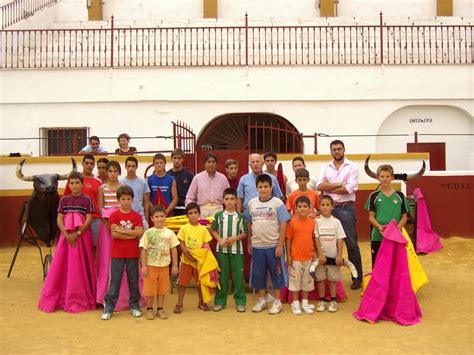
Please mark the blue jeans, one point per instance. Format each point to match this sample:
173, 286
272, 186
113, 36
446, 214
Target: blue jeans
117, 267
346, 214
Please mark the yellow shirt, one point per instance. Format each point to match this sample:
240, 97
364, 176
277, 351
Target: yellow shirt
193, 237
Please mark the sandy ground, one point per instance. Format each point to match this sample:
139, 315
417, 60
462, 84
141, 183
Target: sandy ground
446, 326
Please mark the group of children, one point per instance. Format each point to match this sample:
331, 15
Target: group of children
284, 241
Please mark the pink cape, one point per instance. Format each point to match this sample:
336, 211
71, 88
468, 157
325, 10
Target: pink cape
427, 241
104, 254
389, 294
70, 283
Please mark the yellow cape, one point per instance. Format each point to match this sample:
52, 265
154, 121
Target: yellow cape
205, 263
417, 274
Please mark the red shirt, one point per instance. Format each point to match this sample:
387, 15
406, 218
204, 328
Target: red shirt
126, 248
90, 187
235, 182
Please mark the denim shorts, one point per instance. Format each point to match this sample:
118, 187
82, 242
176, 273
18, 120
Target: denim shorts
264, 261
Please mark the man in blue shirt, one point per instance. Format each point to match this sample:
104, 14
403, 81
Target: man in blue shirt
247, 188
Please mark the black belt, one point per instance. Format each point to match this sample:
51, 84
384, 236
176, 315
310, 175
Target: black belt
342, 204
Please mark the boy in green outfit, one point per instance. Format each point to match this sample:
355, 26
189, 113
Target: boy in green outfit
229, 229
384, 205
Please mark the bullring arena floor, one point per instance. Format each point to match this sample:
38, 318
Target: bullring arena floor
446, 327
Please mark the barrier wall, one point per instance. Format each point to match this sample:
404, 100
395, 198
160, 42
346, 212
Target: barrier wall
448, 197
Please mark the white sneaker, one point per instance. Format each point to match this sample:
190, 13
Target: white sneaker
321, 307
332, 306
307, 305
106, 316
295, 308
276, 308
260, 305
270, 298
308, 309
136, 313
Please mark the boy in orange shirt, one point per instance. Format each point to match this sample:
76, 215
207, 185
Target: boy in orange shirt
302, 178
301, 252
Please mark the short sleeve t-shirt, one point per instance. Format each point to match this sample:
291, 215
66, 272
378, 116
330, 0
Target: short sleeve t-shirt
158, 244
126, 248
81, 204
300, 232
266, 217
140, 188
229, 225
386, 208
90, 187
329, 230
312, 195
193, 237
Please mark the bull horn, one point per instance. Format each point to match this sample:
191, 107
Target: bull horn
418, 174
74, 169
20, 175
367, 169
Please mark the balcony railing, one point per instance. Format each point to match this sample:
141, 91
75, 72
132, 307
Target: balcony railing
21, 9
237, 46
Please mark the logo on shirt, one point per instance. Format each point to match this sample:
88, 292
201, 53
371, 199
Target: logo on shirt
263, 215
126, 225
395, 201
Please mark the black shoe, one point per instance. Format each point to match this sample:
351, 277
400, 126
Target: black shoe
356, 284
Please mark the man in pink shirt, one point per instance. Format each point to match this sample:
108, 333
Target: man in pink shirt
207, 187
339, 179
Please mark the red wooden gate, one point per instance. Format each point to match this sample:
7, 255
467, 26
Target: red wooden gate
185, 139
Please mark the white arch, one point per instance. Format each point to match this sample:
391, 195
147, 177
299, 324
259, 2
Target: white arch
434, 123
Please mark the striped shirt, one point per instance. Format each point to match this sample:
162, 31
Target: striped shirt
81, 204
229, 225
110, 197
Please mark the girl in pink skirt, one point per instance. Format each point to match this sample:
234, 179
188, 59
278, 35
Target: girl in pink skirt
70, 283
107, 204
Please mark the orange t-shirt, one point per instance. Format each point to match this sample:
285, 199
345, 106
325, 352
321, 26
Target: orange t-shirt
301, 234
311, 194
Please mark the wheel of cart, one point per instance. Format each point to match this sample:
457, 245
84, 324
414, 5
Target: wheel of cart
29, 235
48, 259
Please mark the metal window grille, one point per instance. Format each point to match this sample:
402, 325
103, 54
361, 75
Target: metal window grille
62, 140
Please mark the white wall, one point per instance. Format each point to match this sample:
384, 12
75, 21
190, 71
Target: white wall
143, 102
179, 11
439, 121
63, 11
230, 9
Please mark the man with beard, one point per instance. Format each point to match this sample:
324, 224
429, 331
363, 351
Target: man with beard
339, 179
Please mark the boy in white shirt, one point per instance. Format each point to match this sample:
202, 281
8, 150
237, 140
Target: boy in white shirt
329, 236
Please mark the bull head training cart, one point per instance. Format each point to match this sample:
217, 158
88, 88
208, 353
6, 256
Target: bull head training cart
38, 216
411, 226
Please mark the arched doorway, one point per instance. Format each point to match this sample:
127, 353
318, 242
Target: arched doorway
235, 135
444, 131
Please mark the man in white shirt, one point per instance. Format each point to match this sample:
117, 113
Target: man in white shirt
93, 147
340, 179
292, 185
